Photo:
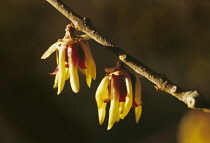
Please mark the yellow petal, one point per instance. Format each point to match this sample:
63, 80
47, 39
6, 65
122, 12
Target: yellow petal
102, 113
88, 77
61, 68
128, 99
138, 111
56, 57
56, 81
120, 109
102, 93
85, 37
113, 111
49, 51
87, 73
74, 78
137, 91
90, 63
67, 74
68, 41
114, 104
93, 69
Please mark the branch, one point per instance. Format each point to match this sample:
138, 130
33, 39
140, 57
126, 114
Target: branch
191, 98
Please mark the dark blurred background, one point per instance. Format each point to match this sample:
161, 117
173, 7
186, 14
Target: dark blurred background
171, 37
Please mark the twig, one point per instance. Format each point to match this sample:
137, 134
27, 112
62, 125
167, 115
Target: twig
191, 98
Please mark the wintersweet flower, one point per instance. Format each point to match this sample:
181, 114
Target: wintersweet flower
71, 54
123, 91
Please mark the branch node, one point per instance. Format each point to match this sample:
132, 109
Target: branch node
173, 89
160, 80
163, 86
122, 57
190, 100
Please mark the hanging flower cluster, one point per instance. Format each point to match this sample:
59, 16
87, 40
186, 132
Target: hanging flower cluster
72, 53
123, 91
119, 87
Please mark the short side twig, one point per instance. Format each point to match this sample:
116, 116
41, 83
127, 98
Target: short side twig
191, 98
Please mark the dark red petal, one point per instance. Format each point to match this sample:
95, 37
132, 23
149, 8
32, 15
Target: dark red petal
81, 57
55, 72
109, 93
134, 105
107, 100
120, 86
123, 89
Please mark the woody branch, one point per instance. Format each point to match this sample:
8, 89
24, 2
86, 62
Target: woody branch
191, 98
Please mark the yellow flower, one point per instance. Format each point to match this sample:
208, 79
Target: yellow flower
71, 54
117, 88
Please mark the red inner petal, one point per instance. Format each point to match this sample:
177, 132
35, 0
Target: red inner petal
72, 52
55, 72
81, 57
135, 104
123, 89
120, 86
107, 100
109, 92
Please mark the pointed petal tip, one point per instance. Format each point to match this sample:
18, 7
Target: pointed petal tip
109, 127
100, 123
138, 112
49, 51
122, 116
102, 113
44, 56
75, 85
89, 85
94, 78
75, 90
73, 73
88, 81
58, 92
